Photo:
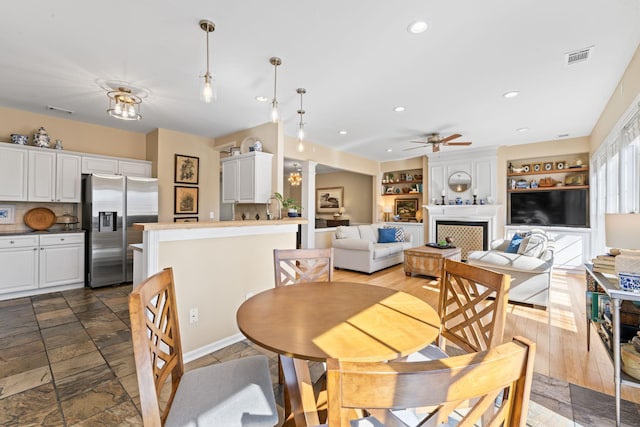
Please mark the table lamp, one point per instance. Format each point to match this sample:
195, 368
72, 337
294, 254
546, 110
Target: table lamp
622, 231
387, 210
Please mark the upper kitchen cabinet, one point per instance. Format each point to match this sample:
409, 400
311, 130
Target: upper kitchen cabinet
116, 166
53, 177
246, 178
14, 163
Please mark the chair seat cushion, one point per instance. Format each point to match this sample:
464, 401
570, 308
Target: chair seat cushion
234, 393
431, 352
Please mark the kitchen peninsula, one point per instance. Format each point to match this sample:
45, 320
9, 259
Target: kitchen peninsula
217, 266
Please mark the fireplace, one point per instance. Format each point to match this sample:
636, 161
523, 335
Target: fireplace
466, 235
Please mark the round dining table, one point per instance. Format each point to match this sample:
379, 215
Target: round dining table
343, 320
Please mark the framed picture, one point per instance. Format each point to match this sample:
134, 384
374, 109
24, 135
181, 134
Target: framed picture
329, 200
186, 219
187, 169
7, 214
186, 200
406, 208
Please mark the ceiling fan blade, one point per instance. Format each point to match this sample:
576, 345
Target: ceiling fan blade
458, 143
450, 137
412, 148
420, 142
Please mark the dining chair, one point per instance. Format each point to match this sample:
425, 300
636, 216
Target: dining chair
303, 265
233, 393
472, 306
496, 381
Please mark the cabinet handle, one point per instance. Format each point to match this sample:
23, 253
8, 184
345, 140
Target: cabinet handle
42, 249
12, 242
62, 239
35, 249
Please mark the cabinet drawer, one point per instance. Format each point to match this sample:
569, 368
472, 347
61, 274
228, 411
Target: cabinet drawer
18, 241
61, 239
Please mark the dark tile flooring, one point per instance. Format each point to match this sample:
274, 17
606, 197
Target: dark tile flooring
66, 360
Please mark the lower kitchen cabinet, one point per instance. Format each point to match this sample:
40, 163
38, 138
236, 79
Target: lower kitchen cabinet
36, 263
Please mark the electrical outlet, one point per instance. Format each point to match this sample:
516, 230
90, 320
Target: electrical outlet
212, 215
193, 315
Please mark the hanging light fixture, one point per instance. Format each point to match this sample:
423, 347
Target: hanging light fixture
301, 91
295, 178
275, 61
123, 104
208, 92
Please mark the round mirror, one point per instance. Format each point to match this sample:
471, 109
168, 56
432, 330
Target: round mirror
459, 181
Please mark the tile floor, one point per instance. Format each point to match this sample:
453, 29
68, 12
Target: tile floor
66, 360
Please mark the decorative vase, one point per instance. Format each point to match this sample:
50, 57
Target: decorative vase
41, 138
58, 145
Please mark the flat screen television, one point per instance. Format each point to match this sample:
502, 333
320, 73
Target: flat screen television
568, 208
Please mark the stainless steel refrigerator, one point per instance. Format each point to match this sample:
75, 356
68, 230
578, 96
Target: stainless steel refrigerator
111, 205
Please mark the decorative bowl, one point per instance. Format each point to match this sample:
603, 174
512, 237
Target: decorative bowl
16, 138
629, 282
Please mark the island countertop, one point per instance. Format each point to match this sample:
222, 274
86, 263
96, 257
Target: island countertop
148, 226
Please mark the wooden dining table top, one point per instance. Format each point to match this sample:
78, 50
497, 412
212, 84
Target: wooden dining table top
344, 320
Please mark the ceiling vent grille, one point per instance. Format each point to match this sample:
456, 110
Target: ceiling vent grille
578, 56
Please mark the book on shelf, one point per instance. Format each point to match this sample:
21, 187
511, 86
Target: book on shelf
604, 270
597, 261
606, 257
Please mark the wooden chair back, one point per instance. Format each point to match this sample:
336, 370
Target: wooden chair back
156, 344
497, 381
472, 306
303, 265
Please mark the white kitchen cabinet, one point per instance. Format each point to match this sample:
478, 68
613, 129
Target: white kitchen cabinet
61, 259
115, 166
18, 263
14, 163
53, 177
246, 178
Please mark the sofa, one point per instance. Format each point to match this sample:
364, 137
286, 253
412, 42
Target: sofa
528, 259
364, 248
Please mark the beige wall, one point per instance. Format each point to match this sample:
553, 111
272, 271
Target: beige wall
626, 92
357, 194
75, 136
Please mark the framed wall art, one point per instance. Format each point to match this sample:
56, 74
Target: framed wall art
185, 219
406, 208
187, 169
185, 200
7, 214
329, 200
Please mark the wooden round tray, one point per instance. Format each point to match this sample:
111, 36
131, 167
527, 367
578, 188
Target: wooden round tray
40, 218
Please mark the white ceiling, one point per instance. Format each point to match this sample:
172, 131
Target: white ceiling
355, 58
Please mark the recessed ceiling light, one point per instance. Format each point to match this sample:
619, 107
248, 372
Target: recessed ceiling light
511, 94
417, 27
389, 150
262, 98
523, 129
398, 109
342, 132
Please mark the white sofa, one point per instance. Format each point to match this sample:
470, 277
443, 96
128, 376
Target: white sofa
530, 275
356, 248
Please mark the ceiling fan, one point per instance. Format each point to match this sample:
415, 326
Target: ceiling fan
436, 140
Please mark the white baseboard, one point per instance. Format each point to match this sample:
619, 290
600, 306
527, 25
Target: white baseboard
210, 348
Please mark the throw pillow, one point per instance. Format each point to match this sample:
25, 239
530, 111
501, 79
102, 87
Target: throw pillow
399, 233
533, 245
346, 232
386, 235
514, 245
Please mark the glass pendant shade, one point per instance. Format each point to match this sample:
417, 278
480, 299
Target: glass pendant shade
275, 61
123, 104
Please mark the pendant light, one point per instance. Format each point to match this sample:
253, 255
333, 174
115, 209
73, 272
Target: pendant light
301, 91
208, 92
275, 61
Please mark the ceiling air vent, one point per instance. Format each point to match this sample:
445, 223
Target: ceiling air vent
578, 55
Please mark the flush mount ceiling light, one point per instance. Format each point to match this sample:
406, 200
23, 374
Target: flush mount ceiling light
301, 91
511, 94
208, 92
523, 129
275, 61
417, 27
262, 98
342, 132
123, 104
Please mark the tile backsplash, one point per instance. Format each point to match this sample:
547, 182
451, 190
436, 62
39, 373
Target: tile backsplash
23, 207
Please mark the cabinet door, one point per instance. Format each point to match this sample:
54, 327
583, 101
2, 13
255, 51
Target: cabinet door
42, 176
13, 173
68, 178
18, 263
99, 165
133, 168
230, 181
61, 265
247, 180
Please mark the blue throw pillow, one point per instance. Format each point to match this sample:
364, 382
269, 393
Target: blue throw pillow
399, 233
386, 235
515, 244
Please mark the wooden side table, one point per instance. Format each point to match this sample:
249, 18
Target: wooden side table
427, 260
337, 222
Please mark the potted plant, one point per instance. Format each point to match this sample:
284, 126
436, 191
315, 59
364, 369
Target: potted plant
290, 204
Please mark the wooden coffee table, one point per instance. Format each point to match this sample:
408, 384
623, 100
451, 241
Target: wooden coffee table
427, 260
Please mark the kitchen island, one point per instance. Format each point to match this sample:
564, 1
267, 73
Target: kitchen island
217, 266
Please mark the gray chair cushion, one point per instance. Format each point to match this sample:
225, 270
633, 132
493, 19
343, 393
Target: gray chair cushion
431, 352
234, 393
